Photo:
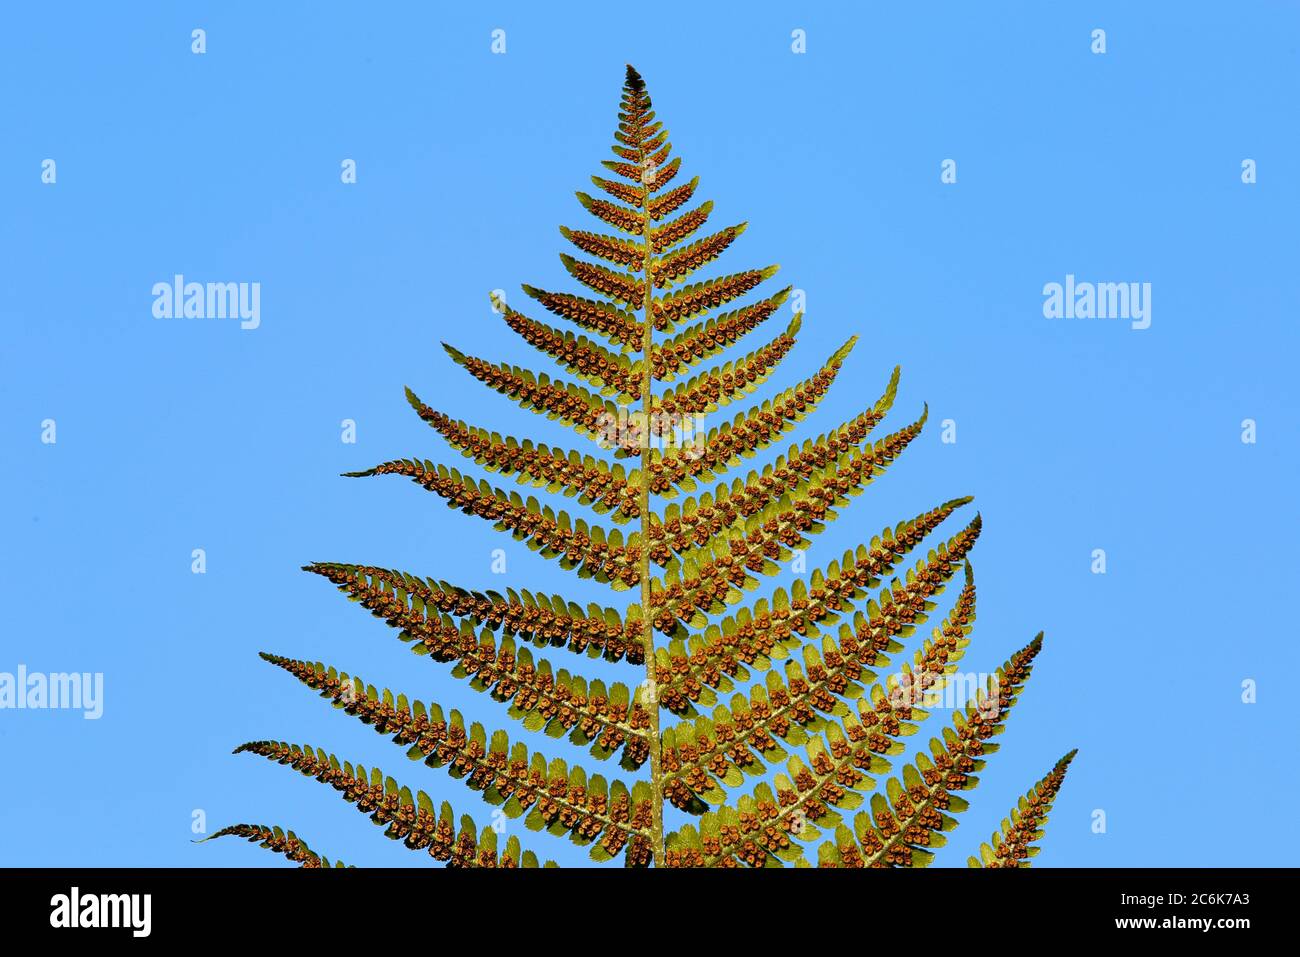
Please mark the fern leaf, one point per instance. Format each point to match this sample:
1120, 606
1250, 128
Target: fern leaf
584, 358
620, 217
748, 433
621, 252
548, 794
620, 191
590, 549
914, 813
696, 299
623, 288
669, 203
406, 601
570, 404
556, 703
663, 238
278, 841
669, 270
721, 385
706, 339
407, 817
619, 327
604, 488
1013, 845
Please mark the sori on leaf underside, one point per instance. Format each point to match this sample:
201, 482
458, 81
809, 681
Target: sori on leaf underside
757, 730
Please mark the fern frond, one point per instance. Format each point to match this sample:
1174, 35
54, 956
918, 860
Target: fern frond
663, 238
278, 841
590, 549
406, 601
750, 432
914, 813
623, 288
706, 339
565, 801
606, 488
696, 299
621, 328
621, 252
620, 191
584, 358
620, 217
722, 384
570, 404
557, 703
1013, 845
407, 817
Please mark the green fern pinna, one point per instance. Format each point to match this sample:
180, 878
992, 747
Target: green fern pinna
803, 762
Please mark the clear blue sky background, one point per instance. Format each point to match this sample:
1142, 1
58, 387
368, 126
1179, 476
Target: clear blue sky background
1072, 435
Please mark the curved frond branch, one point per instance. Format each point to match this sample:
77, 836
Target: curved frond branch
592, 550
665, 237
621, 252
722, 384
611, 372
667, 271
623, 288
696, 299
605, 720
760, 522
620, 217
619, 327
405, 816
669, 203
914, 813
750, 431
605, 488
405, 600
706, 339
587, 807
277, 841
1013, 845
577, 408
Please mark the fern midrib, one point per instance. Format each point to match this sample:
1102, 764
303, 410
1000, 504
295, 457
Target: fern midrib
643, 502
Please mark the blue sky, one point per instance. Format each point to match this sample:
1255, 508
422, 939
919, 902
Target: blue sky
1073, 435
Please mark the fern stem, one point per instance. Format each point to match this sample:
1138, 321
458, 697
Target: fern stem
643, 505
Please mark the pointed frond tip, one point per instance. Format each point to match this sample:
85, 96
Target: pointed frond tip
1013, 845
406, 816
407, 601
913, 815
604, 719
278, 841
